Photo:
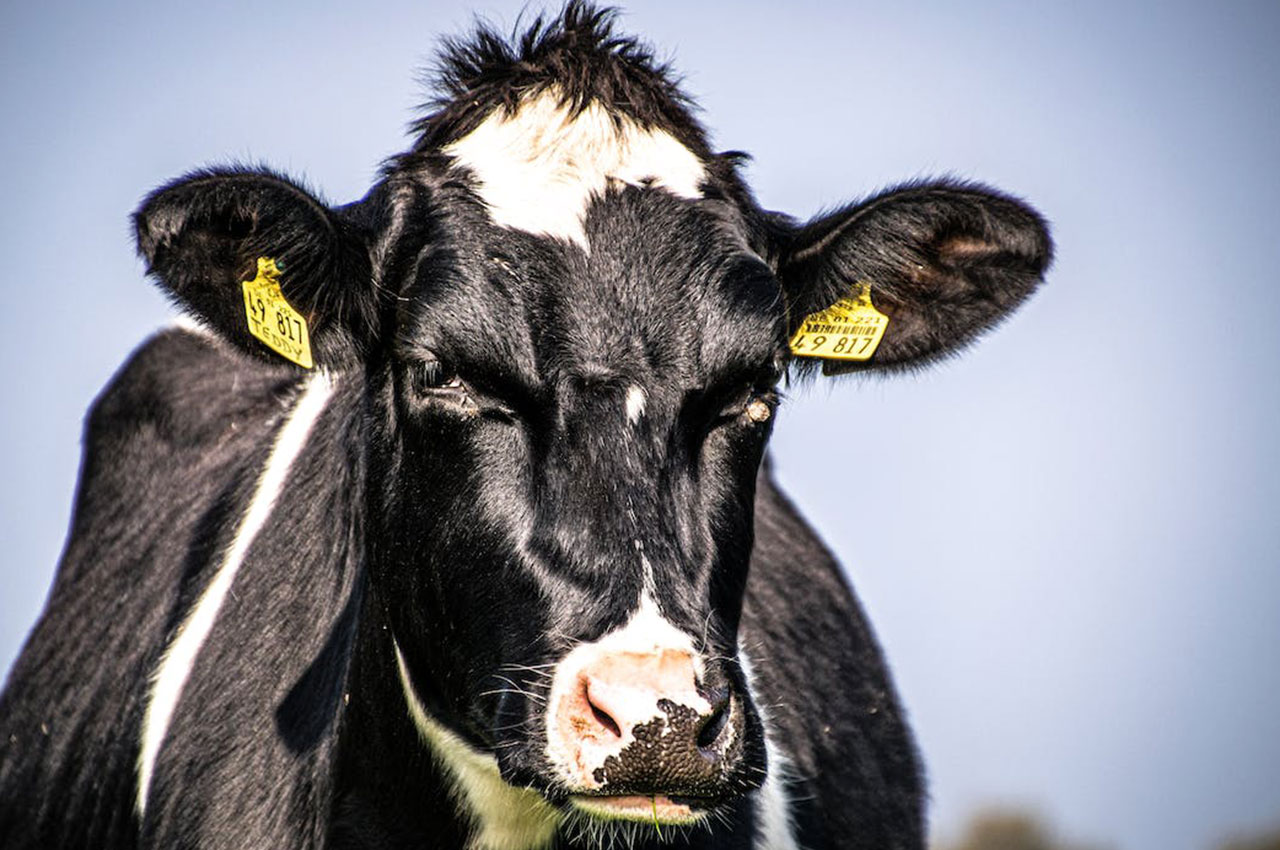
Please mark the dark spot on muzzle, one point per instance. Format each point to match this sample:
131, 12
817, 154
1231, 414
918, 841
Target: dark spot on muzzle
676, 755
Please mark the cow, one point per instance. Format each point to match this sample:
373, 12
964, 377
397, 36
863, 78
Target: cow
446, 520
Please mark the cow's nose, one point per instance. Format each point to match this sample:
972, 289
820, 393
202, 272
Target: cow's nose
627, 690
638, 723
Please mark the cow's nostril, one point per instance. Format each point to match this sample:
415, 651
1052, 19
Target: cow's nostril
713, 725
601, 716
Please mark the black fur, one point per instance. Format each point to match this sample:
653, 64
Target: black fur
473, 491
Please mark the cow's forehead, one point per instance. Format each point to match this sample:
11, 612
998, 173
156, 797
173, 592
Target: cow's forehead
670, 292
537, 167
590, 242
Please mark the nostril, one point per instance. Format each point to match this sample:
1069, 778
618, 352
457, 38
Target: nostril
601, 716
713, 725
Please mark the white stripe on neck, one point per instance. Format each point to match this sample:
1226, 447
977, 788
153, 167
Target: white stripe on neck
773, 809
503, 816
175, 667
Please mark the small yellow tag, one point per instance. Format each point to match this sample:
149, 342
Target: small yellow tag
280, 327
849, 329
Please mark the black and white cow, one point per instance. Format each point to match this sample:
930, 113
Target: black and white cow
504, 569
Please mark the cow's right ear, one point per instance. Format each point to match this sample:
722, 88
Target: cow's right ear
205, 234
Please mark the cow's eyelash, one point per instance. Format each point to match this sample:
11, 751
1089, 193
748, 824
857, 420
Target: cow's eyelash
433, 375
736, 404
438, 378
771, 396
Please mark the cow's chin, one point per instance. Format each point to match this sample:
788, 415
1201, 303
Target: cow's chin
657, 810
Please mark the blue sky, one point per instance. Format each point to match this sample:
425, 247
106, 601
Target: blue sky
1070, 549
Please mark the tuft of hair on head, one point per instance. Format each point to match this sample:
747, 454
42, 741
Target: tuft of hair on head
574, 53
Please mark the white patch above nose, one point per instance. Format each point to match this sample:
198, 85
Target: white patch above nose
635, 404
646, 632
538, 168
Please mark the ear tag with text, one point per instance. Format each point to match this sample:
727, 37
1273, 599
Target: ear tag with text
280, 327
849, 329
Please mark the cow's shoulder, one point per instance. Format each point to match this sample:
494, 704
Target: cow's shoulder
184, 387
167, 445
825, 688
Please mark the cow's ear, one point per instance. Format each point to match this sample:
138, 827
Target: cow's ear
309, 297
943, 261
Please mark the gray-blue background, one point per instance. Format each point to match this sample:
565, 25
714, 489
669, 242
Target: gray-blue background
1067, 539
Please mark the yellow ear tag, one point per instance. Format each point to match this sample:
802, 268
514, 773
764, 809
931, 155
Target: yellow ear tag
280, 327
849, 329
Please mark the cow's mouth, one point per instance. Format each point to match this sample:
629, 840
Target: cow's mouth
659, 809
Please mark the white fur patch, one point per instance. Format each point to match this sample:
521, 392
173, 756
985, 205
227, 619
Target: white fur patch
504, 817
647, 631
539, 168
635, 404
192, 325
175, 667
773, 809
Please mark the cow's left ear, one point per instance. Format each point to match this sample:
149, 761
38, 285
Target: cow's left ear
309, 297
943, 261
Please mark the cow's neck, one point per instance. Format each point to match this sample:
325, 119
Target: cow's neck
502, 816
403, 775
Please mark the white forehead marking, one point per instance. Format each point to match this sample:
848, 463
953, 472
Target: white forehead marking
538, 169
635, 404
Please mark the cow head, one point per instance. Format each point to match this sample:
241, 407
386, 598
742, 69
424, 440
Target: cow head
568, 320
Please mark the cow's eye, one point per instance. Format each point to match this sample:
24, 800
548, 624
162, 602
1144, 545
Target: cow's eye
432, 375
752, 406
760, 406
761, 403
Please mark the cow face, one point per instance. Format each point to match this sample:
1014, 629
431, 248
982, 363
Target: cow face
568, 484
568, 320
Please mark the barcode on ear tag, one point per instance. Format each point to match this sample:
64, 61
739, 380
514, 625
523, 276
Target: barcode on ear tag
271, 320
850, 329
